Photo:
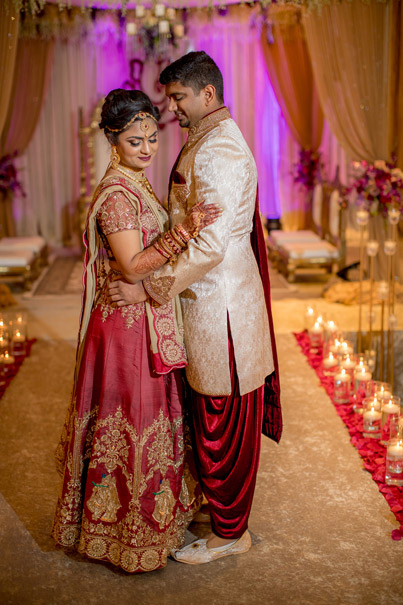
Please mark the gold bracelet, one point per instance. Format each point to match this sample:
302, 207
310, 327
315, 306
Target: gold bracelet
164, 246
177, 238
183, 232
161, 251
171, 242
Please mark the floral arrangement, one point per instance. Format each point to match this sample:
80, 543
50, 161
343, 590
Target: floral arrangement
9, 176
309, 169
378, 186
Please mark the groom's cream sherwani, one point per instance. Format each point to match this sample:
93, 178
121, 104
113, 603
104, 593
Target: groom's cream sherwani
217, 276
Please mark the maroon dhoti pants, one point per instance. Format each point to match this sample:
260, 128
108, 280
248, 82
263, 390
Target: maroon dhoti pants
226, 441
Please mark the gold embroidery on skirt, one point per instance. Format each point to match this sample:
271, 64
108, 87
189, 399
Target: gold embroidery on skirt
164, 505
112, 443
104, 501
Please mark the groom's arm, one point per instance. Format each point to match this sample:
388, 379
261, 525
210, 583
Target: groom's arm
220, 177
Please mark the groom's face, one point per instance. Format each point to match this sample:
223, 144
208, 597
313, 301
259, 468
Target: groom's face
188, 106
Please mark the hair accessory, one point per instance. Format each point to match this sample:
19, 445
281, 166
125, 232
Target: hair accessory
143, 124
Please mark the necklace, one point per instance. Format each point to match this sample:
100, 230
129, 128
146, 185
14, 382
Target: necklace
138, 177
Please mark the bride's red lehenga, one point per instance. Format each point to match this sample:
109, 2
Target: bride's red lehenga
127, 494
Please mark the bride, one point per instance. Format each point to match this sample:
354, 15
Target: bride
128, 490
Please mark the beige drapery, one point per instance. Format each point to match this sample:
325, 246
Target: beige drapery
349, 45
9, 21
31, 76
291, 76
289, 67
353, 52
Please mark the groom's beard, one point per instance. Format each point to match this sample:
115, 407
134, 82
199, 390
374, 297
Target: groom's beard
184, 122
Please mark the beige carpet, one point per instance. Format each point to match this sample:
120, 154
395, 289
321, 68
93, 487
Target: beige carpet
321, 530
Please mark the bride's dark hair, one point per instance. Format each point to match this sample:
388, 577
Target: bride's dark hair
119, 108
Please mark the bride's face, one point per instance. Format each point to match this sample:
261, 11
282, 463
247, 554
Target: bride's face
137, 146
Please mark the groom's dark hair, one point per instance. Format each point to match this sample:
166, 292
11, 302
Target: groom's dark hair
197, 70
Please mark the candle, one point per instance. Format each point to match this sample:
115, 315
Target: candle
371, 415
363, 375
389, 247
362, 217
179, 30
348, 363
342, 376
7, 359
346, 348
317, 329
139, 11
394, 215
390, 408
159, 10
18, 337
163, 27
383, 290
170, 13
394, 463
131, 29
372, 247
395, 449
329, 361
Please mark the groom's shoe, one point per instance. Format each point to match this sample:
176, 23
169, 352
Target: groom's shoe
198, 552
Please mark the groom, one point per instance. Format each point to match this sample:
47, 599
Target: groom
223, 284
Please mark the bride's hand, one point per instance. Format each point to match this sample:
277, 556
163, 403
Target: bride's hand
201, 215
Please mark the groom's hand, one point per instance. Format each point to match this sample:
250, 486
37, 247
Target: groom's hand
121, 293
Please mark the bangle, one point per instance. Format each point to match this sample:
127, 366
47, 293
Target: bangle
165, 246
171, 243
178, 239
183, 232
161, 251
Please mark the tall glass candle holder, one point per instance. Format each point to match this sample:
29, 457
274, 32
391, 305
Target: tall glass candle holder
316, 337
330, 330
20, 323
18, 341
383, 390
7, 360
390, 416
348, 362
362, 388
309, 318
394, 462
330, 364
342, 383
372, 417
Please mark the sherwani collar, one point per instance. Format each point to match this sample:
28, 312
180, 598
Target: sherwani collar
207, 123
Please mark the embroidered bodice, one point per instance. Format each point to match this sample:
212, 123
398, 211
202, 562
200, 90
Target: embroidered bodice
118, 214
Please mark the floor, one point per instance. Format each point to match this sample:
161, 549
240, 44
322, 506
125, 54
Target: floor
320, 528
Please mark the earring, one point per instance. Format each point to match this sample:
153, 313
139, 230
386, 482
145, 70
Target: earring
115, 157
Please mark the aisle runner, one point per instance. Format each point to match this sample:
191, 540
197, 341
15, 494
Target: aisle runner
13, 371
371, 451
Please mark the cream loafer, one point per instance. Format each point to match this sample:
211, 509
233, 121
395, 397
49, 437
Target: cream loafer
198, 552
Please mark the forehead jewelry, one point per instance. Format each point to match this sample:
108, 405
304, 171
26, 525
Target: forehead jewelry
144, 126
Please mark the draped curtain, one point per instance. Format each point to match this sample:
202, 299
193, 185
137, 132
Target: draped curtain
31, 76
354, 54
349, 45
9, 22
289, 67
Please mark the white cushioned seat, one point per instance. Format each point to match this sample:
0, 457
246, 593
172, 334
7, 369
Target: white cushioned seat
312, 250
279, 237
35, 243
16, 259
